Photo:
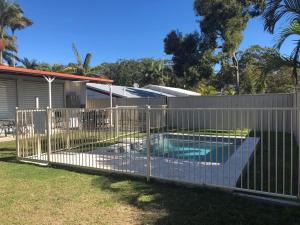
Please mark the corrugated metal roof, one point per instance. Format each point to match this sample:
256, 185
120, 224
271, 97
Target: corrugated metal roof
177, 92
126, 92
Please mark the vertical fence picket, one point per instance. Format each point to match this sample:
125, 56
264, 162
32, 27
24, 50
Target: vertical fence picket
148, 142
236, 148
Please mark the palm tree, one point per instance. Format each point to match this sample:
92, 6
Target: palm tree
8, 53
204, 88
82, 67
50, 67
153, 72
18, 22
30, 64
288, 11
8, 11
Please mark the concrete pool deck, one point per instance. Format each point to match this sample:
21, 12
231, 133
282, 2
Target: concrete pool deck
133, 162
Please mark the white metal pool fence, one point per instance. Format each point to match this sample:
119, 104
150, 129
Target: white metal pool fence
247, 149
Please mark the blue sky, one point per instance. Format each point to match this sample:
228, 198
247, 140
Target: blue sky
112, 29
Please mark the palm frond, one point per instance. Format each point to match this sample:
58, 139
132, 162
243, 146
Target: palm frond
87, 61
292, 29
29, 64
77, 55
293, 6
296, 53
278, 9
271, 15
9, 57
18, 21
70, 69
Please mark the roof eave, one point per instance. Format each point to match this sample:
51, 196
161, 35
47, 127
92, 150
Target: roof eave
40, 73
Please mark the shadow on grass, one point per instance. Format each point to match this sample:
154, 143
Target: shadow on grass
174, 204
10, 159
166, 203
274, 166
7, 150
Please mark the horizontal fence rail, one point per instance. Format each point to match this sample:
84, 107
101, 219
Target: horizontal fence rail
248, 149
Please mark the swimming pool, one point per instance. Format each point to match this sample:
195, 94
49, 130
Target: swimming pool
195, 148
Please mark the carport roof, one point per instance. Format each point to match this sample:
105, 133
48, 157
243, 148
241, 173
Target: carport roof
40, 73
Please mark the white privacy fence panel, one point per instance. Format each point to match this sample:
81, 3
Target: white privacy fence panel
265, 118
245, 149
238, 101
246, 101
99, 103
155, 101
141, 102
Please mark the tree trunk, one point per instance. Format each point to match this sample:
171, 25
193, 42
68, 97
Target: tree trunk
295, 74
237, 72
13, 53
2, 47
296, 64
1, 56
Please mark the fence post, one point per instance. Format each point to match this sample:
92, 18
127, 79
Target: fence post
117, 122
17, 133
148, 142
68, 129
298, 134
49, 132
164, 116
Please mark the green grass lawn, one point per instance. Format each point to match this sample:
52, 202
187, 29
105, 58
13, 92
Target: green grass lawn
257, 176
36, 195
40, 195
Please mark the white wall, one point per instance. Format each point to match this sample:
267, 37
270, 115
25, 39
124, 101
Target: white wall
238, 101
70, 87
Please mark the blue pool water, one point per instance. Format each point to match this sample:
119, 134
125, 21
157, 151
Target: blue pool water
209, 149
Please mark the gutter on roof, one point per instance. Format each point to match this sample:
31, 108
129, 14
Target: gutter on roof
52, 74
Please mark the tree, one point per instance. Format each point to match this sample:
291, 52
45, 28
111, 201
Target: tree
222, 24
287, 11
30, 64
18, 22
280, 81
82, 67
204, 88
260, 67
8, 53
153, 72
7, 11
256, 64
50, 67
142, 71
11, 16
191, 63
123, 72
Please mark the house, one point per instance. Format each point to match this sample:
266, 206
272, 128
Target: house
25, 88
102, 91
